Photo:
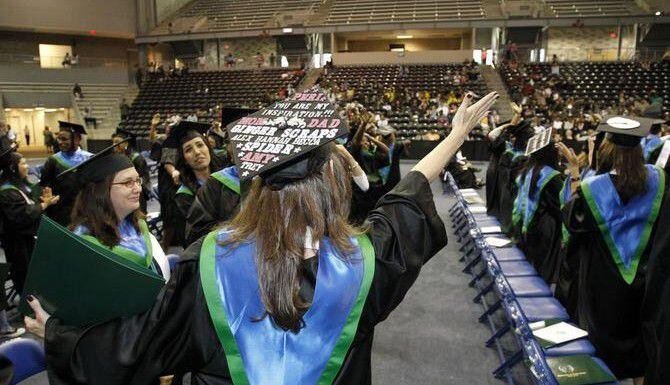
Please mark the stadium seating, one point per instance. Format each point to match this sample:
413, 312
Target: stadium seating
384, 11
600, 81
370, 82
586, 8
186, 93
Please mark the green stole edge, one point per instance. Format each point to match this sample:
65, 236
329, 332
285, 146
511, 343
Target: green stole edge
629, 274
61, 162
127, 253
184, 190
551, 176
565, 234
220, 320
235, 187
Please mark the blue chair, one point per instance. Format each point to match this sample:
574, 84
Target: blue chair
26, 355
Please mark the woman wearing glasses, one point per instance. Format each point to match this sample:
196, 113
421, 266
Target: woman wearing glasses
107, 211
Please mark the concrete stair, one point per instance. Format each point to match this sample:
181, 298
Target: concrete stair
321, 13
495, 83
310, 79
104, 103
113, 117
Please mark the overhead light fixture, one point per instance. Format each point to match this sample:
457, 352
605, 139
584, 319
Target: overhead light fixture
28, 109
39, 108
62, 109
287, 30
51, 110
8, 109
658, 13
405, 37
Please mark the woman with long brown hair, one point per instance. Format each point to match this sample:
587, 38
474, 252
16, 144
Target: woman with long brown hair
288, 292
107, 211
611, 219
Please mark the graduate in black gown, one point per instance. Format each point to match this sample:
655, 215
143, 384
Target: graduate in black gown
510, 164
536, 219
611, 218
283, 330
70, 155
129, 149
21, 205
195, 162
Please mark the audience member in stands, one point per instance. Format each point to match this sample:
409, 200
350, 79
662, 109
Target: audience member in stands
610, 218
76, 91
49, 140
230, 60
178, 333
273, 60
67, 60
21, 205
260, 59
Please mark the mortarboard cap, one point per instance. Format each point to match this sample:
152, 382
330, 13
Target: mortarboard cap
385, 130
625, 131
286, 141
72, 127
539, 141
185, 131
100, 165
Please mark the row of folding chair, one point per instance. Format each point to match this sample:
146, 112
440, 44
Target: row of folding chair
517, 290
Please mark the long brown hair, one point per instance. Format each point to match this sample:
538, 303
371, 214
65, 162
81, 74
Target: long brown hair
93, 208
277, 220
631, 174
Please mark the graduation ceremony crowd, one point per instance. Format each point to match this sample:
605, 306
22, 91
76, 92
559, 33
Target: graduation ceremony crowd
241, 305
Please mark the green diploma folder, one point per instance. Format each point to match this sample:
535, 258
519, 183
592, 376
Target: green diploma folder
580, 369
82, 283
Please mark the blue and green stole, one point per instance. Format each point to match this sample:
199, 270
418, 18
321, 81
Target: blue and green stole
67, 161
525, 203
257, 351
228, 177
626, 228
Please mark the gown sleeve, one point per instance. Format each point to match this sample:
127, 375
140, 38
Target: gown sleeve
576, 215
48, 173
174, 336
213, 203
406, 232
17, 213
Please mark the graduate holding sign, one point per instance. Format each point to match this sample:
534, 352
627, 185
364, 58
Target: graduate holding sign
289, 292
611, 218
70, 155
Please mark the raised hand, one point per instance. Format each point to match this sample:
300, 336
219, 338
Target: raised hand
468, 114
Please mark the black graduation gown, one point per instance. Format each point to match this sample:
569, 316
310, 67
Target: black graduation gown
464, 177
20, 221
362, 202
656, 304
542, 241
607, 307
213, 204
508, 169
66, 187
497, 147
177, 334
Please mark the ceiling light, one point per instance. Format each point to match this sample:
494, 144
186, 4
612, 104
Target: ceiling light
28, 109
287, 30
658, 13
8, 109
404, 36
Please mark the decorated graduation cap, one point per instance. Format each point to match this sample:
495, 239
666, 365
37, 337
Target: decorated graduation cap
99, 166
539, 141
72, 127
625, 131
288, 140
184, 131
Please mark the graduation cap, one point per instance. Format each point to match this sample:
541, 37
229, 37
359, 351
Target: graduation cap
184, 131
625, 131
100, 165
539, 141
288, 140
125, 134
72, 127
385, 130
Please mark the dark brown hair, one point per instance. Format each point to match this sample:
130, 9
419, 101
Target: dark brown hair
187, 175
277, 220
93, 208
631, 175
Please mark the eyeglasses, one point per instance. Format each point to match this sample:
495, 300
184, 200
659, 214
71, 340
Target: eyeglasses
130, 183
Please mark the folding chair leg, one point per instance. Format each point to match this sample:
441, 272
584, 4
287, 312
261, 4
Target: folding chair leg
489, 312
484, 292
509, 364
479, 276
497, 335
468, 268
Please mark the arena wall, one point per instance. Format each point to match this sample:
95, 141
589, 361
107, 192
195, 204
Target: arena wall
422, 57
590, 43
